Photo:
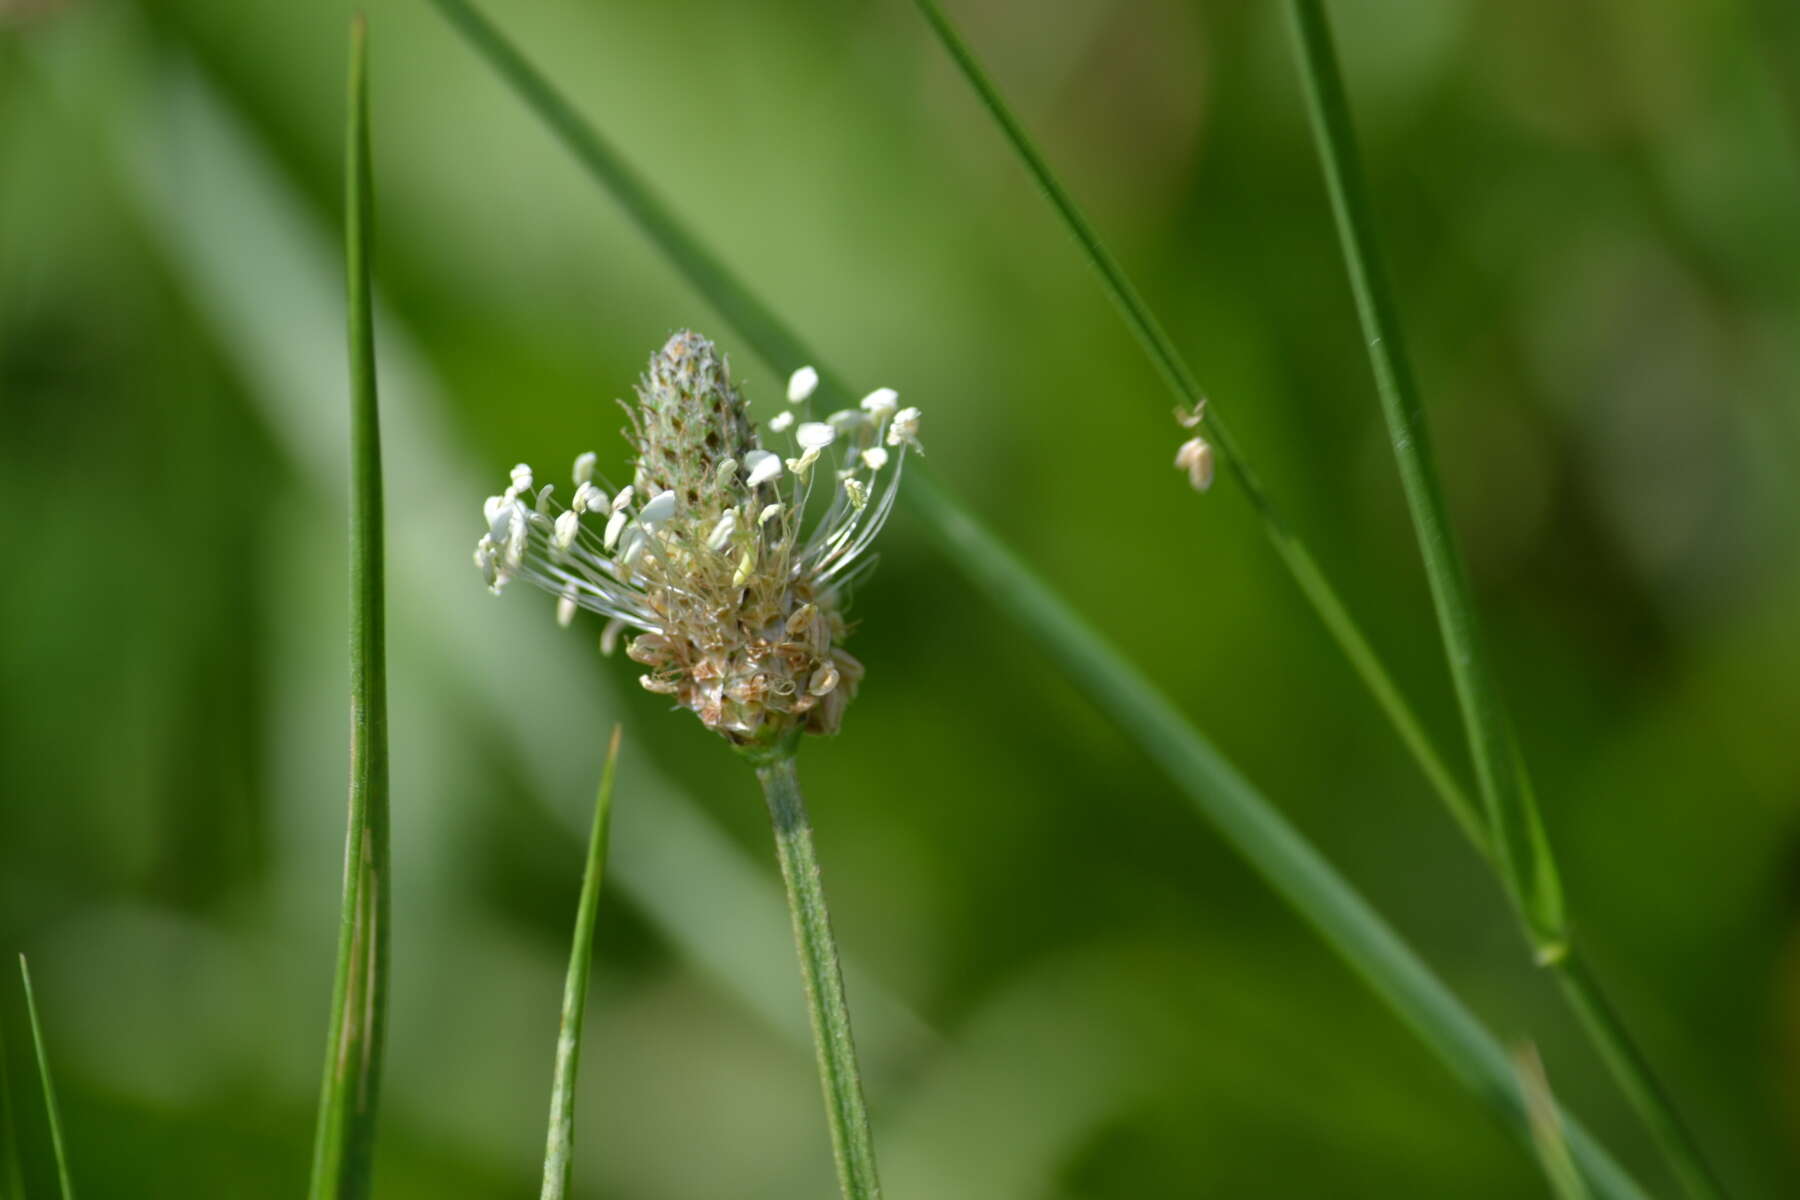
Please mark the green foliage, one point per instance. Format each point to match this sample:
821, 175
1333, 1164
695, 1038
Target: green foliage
343, 1154
559, 1146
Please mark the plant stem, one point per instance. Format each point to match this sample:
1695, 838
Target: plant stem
1522, 851
559, 1147
51, 1113
343, 1150
1248, 821
1632, 1071
844, 1108
1180, 380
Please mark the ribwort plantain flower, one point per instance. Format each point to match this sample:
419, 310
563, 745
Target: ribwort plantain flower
736, 596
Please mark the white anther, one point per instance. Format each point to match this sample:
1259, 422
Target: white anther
800, 466
588, 498
614, 525
568, 528
727, 472
521, 477
905, 429
635, 542
623, 498
768, 514
657, 509
814, 435
721, 532
584, 467
761, 466
801, 384
881, 401
1196, 458
566, 606
874, 458
609, 637
781, 422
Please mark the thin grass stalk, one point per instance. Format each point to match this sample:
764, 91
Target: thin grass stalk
846, 1113
343, 1150
52, 1114
1182, 384
1247, 819
1522, 849
1547, 1133
559, 1147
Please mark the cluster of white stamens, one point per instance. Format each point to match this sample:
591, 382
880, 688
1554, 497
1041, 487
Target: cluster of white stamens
1195, 456
718, 554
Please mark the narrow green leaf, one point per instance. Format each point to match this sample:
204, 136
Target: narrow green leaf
1522, 851
1179, 377
559, 1148
1546, 1127
1245, 818
1523, 856
51, 1113
343, 1150
847, 1114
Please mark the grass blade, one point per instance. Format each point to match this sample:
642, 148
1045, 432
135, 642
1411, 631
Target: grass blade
559, 1147
1522, 852
51, 1113
1179, 377
1546, 1127
846, 1112
1246, 818
343, 1151
1512, 819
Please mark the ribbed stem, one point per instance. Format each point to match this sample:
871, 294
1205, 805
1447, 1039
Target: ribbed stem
344, 1144
838, 1074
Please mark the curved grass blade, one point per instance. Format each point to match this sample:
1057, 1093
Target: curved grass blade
51, 1113
1179, 377
1246, 818
1522, 852
343, 1150
559, 1147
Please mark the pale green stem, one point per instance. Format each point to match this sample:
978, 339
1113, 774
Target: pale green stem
343, 1149
845, 1111
559, 1147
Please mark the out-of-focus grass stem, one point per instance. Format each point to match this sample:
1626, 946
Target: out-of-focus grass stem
343, 1150
1522, 852
1181, 382
1245, 818
52, 1114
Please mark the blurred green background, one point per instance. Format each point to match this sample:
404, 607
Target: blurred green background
1065, 986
